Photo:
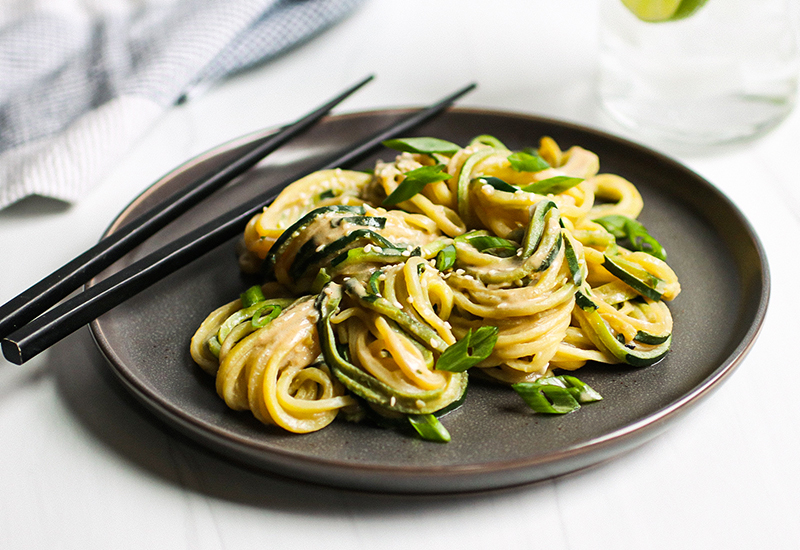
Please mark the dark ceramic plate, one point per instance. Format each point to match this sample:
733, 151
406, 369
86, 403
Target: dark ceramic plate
497, 442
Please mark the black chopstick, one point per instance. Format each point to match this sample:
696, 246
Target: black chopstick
64, 319
50, 290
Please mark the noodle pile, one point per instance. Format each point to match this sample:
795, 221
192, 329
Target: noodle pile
372, 277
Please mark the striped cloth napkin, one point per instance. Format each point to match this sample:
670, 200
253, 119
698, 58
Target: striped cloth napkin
78, 87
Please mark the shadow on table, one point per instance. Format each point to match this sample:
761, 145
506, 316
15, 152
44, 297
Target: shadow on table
100, 402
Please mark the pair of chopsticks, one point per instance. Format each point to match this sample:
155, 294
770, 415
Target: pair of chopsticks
29, 323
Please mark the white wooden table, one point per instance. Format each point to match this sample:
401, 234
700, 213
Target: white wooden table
84, 466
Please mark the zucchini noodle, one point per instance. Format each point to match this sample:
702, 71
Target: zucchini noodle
372, 277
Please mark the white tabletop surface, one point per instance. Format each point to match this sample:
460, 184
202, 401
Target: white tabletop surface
85, 466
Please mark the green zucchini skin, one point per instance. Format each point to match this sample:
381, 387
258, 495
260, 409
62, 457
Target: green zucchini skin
572, 260
420, 331
536, 227
651, 339
642, 282
632, 355
366, 386
375, 255
308, 257
390, 419
280, 244
541, 244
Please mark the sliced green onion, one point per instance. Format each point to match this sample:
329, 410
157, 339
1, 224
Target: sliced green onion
243, 315
423, 145
624, 227
497, 183
260, 320
252, 296
527, 162
556, 395
429, 427
234, 319
554, 185
545, 398
446, 258
469, 351
488, 243
582, 392
415, 181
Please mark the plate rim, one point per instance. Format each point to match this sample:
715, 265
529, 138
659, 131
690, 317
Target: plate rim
620, 440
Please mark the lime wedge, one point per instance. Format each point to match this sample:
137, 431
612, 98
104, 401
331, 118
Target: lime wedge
657, 11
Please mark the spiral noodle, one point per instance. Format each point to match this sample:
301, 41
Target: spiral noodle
274, 371
368, 304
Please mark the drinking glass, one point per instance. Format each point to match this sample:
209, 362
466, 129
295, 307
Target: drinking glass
727, 72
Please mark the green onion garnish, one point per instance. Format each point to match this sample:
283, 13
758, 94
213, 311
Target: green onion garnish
497, 183
580, 391
260, 320
624, 227
556, 395
252, 296
446, 258
429, 428
527, 162
544, 398
490, 244
423, 145
415, 181
469, 351
554, 185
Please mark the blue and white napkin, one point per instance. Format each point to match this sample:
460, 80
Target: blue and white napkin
78, 88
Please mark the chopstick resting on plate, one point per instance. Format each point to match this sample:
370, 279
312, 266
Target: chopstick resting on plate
56, 286
31, 339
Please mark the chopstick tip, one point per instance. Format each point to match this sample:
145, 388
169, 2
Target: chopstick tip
12, 351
